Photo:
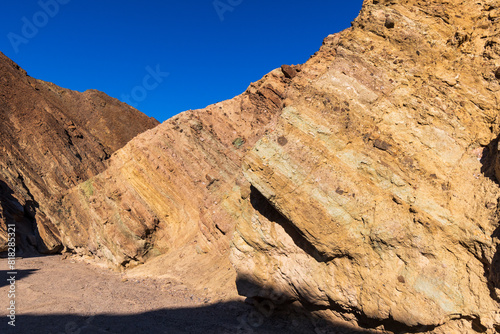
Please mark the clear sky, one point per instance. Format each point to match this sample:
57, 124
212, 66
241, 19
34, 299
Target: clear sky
164, 57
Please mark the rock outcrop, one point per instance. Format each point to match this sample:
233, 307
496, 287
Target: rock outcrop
50, 140
374, 201
173, 187
362, 185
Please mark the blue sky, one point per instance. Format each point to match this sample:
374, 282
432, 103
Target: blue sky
164, 57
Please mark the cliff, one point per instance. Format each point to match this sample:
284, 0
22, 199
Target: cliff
361, 186
50, 140
374, 202
172, 190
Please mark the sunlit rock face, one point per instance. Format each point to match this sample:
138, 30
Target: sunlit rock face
374, 200
173, 187
361, 184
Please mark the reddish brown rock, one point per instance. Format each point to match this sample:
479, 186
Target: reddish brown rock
289, 71
52, 138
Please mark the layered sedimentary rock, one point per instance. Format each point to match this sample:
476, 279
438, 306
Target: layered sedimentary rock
52, 139
374, 201
173, 187
362, 185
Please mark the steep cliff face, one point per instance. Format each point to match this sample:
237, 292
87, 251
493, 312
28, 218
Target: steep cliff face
374, 199
52, 139
360, 184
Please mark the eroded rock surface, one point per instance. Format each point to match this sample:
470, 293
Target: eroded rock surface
360, 184
374, 201
52, 139
173, 190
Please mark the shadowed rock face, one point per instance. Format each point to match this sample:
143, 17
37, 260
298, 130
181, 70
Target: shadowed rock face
379, 170
50, 140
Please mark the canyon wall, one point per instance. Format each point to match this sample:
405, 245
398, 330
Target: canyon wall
375, 201
172, 187
361, 185
52, 139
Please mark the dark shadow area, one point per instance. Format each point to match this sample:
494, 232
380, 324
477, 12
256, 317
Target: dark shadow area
20, 274
262, 205
24, 219
223, 318
270, 302
488, 159
16, 214
494, 270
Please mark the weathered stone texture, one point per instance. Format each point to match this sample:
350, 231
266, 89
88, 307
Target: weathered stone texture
172, 186
52, 139
374, 199
361, 184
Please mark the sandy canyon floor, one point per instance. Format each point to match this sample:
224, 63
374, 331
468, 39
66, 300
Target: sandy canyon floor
57, 295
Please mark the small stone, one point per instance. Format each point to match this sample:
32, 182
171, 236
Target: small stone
282, 141
245, 192
288, 71
238, 142
389, 23
382, 145
397, 200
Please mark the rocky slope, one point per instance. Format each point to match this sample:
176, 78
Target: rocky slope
50, 140
374, 198
173, 191
360, 185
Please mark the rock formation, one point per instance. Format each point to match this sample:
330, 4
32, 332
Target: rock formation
173, 189
374, 197
52, 139
362, 185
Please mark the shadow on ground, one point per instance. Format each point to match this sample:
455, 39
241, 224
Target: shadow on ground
248, 287
20, 274
224, 318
